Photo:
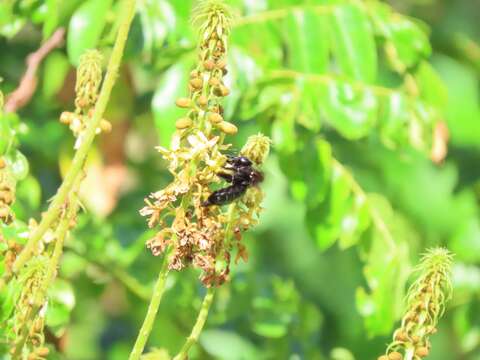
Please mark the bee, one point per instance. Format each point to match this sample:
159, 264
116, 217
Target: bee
241, 175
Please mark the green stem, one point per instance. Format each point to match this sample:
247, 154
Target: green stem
146, 328
82, 152
207, 301
39, 298
198, 327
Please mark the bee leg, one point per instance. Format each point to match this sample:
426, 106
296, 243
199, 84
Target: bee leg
225, 176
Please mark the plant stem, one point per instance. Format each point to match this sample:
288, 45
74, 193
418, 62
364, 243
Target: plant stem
146, 328
82, 152
199, 323
207, 301
39, 297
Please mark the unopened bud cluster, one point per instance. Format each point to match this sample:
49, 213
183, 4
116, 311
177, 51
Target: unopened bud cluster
7, 192
426, 302
89, 78
28, 320
199, 236
206, 85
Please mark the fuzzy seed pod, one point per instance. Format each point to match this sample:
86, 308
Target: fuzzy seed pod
215, 118
89, 77
183, 103
183, 123
227, 128
257, 148
383, 357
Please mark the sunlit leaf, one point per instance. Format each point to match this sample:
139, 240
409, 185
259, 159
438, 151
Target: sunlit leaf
307, 41
86, 27
172, 85
351, 111
353, 43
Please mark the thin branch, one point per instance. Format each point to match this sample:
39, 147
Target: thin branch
147, 325
277, 14
198, 327
28, 84
327, 79
83, 150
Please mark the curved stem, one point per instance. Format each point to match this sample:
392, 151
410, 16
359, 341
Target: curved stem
82, 152
198, 327
146, 328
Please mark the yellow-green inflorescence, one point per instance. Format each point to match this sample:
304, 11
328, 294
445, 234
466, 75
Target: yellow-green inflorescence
426, 302
199, 236
87, 86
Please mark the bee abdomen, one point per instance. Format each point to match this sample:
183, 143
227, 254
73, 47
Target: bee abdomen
226, 195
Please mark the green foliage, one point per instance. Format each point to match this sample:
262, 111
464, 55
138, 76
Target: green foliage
349, 91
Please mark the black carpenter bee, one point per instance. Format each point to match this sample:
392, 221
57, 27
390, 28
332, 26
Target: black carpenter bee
241, 175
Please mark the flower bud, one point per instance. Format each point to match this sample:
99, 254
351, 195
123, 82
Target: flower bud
183, 103
215, 118
183, 123
209, 65
66, 117
227, 128
105, 125
395, 356
196, 83
202, 101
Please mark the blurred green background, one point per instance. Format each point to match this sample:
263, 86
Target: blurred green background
352, 94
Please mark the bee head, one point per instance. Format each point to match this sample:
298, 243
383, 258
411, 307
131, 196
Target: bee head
256, 177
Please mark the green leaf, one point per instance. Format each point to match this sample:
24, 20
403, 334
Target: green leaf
351, 111
227, 345
52, 17
8, 299
432, 88
172, 85
61, 303
394, 119
354, 43
386, 269
18, 164
307, 41
86, 27
355, 222
409, 40
54, 72
325, 221
463, 105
